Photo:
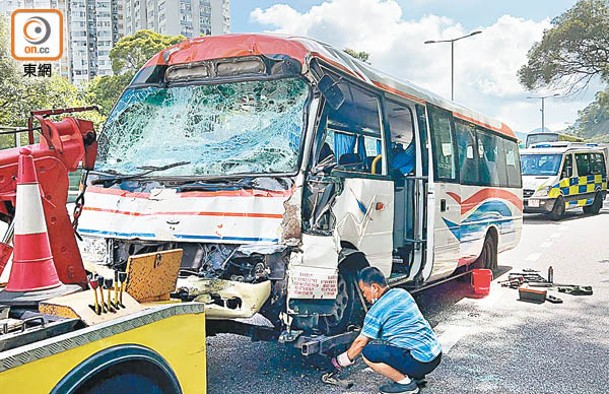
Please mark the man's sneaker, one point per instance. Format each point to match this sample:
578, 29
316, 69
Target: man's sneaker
420, 382
397, 388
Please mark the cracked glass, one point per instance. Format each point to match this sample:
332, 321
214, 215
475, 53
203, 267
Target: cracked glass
251, 127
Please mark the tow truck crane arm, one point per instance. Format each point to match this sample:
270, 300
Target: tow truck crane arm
63, 146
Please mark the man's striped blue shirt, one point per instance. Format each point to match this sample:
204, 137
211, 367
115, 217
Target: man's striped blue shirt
396, 320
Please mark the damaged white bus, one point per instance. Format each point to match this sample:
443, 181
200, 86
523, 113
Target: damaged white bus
281, 166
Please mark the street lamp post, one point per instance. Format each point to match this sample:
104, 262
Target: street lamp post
452, 57
543, 99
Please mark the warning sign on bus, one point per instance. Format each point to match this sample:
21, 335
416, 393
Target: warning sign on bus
314, 283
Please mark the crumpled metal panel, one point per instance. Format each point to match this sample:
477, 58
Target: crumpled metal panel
251, 296
230, 217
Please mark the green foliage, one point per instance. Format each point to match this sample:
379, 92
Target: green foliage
573, 51
128, 55
131, 52
363, 56
106, 90
593, 121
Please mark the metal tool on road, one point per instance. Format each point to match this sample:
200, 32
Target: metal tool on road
330, 378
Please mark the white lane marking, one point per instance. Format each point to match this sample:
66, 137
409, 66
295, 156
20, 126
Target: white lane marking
451, 336
545, 245
533, 257
555, 235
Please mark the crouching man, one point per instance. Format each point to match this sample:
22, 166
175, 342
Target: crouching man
408, 348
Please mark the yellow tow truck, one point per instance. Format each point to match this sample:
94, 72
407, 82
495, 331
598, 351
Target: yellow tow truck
63, 330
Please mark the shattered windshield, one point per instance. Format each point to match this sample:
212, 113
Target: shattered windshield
252, 127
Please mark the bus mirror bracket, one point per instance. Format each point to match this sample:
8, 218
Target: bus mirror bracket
331, 92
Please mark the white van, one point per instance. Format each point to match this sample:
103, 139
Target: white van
561, 176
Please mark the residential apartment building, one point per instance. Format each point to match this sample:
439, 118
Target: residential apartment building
190, 18
92, 27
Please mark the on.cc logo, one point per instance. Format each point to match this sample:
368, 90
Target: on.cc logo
37, 30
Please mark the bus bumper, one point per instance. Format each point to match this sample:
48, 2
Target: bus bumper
538, 205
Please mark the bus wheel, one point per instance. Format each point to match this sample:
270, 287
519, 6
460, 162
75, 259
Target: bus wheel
347, 308
596, 206
488, 256
558, 212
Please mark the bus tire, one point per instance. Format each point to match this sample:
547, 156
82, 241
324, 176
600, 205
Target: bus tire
558, 211
488, 256
596, 206
347, 307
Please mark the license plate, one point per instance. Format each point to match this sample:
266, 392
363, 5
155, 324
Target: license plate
534, 203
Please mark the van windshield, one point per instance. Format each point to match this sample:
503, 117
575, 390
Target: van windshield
252, 127
542, 165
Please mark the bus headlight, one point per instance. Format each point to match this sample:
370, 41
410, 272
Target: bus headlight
543, 192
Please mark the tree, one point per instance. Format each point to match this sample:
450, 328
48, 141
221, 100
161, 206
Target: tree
573, 51
128, 55
593, 121
131, 52
363, 56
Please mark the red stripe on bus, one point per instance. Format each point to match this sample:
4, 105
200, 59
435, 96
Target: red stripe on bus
455, 196
482, 195
398, 92
505, 130
208, 213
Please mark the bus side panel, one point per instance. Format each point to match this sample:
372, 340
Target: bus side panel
364, 217
180, 340
447, 232
486, 207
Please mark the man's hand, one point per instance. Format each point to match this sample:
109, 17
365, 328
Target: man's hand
341, 361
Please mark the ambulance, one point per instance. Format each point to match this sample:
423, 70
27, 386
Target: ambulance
561, 176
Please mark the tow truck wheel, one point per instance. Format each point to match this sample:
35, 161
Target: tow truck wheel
347, 308
558, 211
596, 206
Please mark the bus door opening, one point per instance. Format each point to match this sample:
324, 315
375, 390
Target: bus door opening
402, 170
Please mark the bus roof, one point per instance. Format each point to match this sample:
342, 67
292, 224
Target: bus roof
303, 49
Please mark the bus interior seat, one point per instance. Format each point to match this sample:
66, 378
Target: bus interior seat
352, 160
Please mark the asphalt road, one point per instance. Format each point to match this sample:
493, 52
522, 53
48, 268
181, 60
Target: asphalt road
494, 344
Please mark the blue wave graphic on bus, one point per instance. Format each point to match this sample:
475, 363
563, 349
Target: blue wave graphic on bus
475, 225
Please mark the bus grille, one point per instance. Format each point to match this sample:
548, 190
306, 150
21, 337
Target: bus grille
527, 193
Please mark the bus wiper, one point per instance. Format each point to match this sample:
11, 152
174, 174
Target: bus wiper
150, 169
117, 177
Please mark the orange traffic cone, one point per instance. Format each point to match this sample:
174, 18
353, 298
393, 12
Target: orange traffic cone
33, 276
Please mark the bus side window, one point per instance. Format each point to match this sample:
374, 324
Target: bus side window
491, 160
357, 130
567, 169
443, 145
514, 174
466, 142
402, 144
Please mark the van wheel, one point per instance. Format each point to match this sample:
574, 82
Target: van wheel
558, 212
596, 206
488, 256
347, 309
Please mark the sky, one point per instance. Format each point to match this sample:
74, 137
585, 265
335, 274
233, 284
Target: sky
393, 33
